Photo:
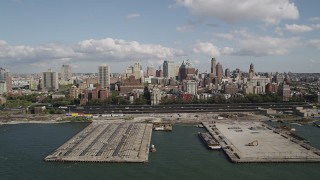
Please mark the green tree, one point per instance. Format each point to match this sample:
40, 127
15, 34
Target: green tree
147, 95
140, 101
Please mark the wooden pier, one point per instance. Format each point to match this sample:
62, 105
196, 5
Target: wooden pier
257, 142
107, 142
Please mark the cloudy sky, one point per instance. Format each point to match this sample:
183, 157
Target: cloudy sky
275, 35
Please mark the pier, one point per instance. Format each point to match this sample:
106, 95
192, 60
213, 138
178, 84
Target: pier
253, 142
107, 142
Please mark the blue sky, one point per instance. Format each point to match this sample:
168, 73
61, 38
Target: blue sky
275, 35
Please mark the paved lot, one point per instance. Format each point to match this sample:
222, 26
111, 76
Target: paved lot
269, 145
107, 142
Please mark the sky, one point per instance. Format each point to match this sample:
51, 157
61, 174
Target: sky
274, 35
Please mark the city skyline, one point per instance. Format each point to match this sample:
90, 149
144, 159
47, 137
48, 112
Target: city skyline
276, 36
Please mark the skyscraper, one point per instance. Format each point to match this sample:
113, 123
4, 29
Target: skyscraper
151, 71
227, 72
49, 81
213, 67
251, 71
66, 74
135, 70
104, 76
219, 72
186, 70
5, 81
169, 69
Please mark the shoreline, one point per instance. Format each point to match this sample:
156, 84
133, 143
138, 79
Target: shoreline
182, 118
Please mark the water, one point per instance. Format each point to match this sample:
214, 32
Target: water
180, 155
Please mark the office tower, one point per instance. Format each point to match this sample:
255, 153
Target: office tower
169, 69
151, 71
159, 73
104, 76
251, 71
186, 70
5, 81
219, 72
227, 72
49, 81
66, 74
213, 67
135, 70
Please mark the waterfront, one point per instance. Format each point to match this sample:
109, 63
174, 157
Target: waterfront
180, 155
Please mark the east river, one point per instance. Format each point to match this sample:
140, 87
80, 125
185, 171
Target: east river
180, 155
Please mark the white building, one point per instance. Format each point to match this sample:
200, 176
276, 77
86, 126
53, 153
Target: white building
155, 96
66, 74
5, 80
256, 85
135, 70
169, 69
104, 76
190, 86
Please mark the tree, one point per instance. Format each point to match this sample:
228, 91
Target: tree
140, 101
147, 95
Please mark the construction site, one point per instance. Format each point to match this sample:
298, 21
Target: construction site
246, 142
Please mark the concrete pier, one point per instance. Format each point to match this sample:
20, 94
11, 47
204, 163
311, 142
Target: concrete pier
107, 142
246, 142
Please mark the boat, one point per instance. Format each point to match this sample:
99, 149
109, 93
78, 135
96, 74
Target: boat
153, 148
200, 126
210, 141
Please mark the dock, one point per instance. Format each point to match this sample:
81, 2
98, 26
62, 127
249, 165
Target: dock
107, 142
257, 142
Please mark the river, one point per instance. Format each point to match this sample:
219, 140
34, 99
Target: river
180, 155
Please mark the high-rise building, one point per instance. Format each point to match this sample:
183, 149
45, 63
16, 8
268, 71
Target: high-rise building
227, 72
74, 92
155, 96
169, 69
213, 66
49, 81
219, 72
284, 91
66, 74
5, 81
135, 70
151, 71
186, 70
251, 71
104, 76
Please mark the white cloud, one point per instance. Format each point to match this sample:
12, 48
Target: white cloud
254, 45
314, 43
294, 28
125, 50
3, 43
186, 28
211, 50
316, 26
207, 49
132, 16
267, 11
227, 51
108, 49
224, 36
314, 19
